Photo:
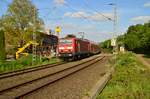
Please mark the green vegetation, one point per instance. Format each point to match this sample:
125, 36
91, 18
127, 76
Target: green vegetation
137, 39
19, 23
131, 80
106, 45
24, 62
2, 46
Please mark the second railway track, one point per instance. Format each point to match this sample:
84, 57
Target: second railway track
22, 89
31, 69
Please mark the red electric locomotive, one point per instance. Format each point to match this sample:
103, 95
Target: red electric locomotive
72, 47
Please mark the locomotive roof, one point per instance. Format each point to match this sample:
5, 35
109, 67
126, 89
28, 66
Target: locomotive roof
92, 42
74, 38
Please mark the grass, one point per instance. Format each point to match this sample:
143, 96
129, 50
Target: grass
131, 80
24, 62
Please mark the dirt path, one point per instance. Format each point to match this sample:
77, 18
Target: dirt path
144, 60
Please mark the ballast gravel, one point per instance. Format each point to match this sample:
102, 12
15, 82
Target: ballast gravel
74, 86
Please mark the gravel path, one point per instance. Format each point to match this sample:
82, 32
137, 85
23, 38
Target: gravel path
74, 86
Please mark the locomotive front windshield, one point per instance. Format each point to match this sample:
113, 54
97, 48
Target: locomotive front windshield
66, 41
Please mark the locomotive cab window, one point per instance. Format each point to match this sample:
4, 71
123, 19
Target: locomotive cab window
64, 41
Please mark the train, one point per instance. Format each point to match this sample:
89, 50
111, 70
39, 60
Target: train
74, 48
69, 47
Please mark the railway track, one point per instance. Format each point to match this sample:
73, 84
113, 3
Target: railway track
23, 89
31, 69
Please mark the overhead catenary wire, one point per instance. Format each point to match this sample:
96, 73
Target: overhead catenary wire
114, 20
46, 16
84, 17
95, 10
50, 16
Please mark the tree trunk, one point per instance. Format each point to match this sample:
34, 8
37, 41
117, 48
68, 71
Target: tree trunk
2, 46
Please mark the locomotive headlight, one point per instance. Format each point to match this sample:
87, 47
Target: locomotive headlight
61, 48
70, 47
70, 54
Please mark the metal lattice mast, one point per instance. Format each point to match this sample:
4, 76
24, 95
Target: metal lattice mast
114, 39
34, 39
115, 26
115, 20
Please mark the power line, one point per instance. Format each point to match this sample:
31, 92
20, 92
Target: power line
84, 17
86, 4
49, 13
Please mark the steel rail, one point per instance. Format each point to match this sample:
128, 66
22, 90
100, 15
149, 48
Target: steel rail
27, 70
35, 80
20, 96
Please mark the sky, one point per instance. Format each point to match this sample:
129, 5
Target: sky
89, 16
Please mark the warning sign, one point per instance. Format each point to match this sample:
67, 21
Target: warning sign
113, 42
58, 29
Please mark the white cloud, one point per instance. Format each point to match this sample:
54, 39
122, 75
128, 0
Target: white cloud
147, 4
59, 2
92, 16
141, 19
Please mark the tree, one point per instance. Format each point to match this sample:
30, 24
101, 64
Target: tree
137, 38
132, 42
20, 21
106, 46
120, 40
